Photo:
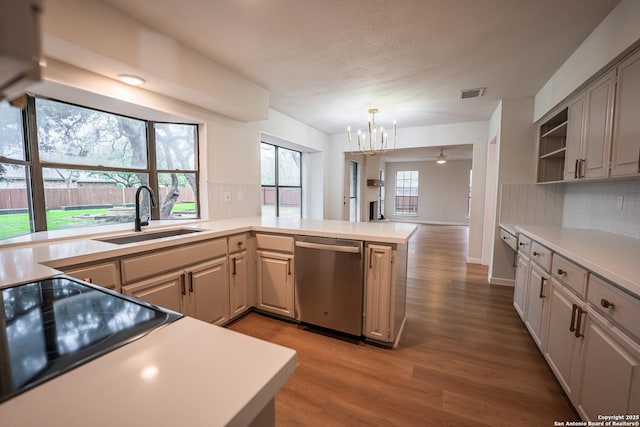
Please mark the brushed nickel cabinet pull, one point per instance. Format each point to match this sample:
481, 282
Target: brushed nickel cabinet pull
370, 257
580, 312
183, 290
575, 170
234, 266
573, 318
190, 282
606, 303
289, 266
542, 280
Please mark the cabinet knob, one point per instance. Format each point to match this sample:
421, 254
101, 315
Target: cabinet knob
606, 303
522, 244
561, 272
536, 253
240, 243
504, 237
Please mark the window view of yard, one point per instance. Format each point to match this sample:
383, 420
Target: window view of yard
18, 223
91, 163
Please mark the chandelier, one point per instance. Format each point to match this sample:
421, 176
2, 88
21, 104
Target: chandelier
378, 139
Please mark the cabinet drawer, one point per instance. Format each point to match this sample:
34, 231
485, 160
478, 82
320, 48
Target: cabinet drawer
274, 242
237, 242
615, 304
524, 244
102, 274
171, 259
541, 255
509, 239
570, 274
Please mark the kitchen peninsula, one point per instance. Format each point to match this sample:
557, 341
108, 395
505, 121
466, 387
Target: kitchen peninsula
201, 373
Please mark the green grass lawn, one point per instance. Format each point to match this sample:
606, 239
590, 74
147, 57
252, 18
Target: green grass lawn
16, 224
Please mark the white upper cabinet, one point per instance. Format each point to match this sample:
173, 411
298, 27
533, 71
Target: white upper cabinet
588, 143
625, 152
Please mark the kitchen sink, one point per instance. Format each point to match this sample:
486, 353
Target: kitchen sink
141, 237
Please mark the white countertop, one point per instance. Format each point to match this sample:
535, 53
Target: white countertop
205, 375
611, 256
34, 257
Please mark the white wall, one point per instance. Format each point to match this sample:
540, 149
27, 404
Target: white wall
98, 37
442, 191
516, 157
613, 36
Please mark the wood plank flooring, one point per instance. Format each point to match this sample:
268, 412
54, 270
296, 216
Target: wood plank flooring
465, 358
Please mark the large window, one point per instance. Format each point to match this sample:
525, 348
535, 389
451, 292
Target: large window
406, 193
281, 181
87, 164
15, 218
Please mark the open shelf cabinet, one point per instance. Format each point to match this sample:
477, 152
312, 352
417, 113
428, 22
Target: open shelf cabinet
552, 147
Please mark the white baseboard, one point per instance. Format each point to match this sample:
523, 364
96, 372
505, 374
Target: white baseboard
404, 321
501, 282
474, 260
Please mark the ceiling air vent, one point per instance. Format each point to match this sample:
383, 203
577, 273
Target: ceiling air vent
472, 93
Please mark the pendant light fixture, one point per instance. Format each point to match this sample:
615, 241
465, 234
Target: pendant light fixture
442, 159
378, 144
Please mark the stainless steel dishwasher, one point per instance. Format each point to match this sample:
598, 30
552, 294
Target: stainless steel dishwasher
329, 283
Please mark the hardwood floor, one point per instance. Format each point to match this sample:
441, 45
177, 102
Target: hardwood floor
465, 358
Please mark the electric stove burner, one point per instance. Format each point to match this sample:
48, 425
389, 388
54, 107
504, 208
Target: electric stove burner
54, 325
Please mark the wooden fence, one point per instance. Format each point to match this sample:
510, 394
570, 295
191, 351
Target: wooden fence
56, 198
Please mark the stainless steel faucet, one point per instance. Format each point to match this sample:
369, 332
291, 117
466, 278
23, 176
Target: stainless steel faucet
138, 223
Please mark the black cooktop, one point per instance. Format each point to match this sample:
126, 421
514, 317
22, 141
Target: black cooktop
54, 325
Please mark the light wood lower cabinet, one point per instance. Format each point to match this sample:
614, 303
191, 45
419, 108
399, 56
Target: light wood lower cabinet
207, 287
378, 292
275, 283
105, 274
238, 283
167, 290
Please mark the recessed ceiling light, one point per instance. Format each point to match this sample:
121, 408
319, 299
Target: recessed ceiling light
130, 79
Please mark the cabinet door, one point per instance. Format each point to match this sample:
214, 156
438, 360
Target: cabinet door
610, 371
575, 137
597, 139
166, 290
275, 283
238, 284
105, 274
625, 152
520, 291
536, 295
562, 347
377, 324
208, 287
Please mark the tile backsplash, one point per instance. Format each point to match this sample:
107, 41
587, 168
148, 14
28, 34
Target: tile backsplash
233, 200
591, 205
531, 204
595, 205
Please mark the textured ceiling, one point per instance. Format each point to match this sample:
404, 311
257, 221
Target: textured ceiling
327, 62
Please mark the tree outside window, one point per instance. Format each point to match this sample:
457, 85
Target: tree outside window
88, 164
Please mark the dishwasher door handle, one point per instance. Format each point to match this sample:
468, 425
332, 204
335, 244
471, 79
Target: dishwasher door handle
333, 248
